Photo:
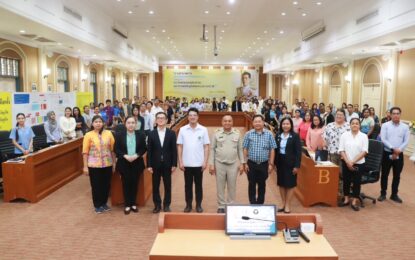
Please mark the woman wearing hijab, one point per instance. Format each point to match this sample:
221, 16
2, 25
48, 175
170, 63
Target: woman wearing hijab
53, 133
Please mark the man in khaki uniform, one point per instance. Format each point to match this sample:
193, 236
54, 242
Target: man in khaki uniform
226, 149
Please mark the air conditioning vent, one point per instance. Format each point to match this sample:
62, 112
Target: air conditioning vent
120, 30
313, 31
367, 17
42, 39
30, 36
72, 13
390, 44
402, 41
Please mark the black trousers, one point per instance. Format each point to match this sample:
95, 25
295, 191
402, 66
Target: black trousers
397, 166
354, 177
193, 174
129, 179
164, 172
257, 176
100, 179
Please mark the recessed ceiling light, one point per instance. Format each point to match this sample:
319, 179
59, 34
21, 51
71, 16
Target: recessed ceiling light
283, 14
249, 47
303, 14
154, 37
59, 43
94, 55
163, 31
295, 3
336, 58
319, 3
151, 12
206, 12
130, 12
265, 31
220, 38
273, 39
206, 31
223, 31
158, 42
168, 37
147, 31
258, 38
254, 43
22, 31
118, 0
267, 43
228, 13
281, 32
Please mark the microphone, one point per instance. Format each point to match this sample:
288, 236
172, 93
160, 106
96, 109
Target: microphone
306, 239
248, 218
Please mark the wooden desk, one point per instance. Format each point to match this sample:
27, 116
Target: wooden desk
42, 172
143, 192
317, 183
202, 236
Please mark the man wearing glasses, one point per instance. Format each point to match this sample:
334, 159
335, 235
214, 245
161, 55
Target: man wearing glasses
161, 160
395, 137
193, 150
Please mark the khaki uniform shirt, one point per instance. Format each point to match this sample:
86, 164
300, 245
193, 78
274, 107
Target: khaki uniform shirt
226, 147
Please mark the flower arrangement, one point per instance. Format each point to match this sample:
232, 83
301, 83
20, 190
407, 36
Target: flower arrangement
412, 126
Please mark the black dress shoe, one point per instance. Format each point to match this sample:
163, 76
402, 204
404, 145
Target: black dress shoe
396, 198
199, 209
127, 211
355, 207
187, 209
281, 210
156, 209
221, 210
134, 209
343, 204
166, 209
382, 198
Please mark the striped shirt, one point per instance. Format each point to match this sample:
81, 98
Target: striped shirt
259, 145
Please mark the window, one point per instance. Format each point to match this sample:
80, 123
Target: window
9, 67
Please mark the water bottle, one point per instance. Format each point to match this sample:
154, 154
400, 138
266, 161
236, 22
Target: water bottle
318, 158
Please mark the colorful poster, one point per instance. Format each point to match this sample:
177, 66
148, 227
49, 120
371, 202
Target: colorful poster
36, 105
198, 83
83, 99
5, 111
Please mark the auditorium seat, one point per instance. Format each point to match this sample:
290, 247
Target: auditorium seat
39, 141
372, 167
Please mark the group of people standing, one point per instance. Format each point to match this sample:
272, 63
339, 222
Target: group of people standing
344, 134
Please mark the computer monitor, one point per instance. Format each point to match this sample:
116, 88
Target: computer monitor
251, 219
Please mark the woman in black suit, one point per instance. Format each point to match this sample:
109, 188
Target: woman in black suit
130, 146
287, 161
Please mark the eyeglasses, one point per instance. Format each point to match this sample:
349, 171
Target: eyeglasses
159, 118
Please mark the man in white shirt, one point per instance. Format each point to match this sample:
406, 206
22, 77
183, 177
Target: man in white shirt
245, 106
350, 113
193, 152
155, 109
148, 122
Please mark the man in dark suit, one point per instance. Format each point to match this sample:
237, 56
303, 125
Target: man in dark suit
161, 160
236, 105
223, 106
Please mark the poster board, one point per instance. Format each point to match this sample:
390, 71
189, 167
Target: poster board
84, 99
36, 105
5, 111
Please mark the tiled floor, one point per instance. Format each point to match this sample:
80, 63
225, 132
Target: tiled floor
64, 226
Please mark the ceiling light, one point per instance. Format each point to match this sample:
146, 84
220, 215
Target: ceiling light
228, 13
273, 39
249, 47
265, 31
258, 38
147, 31
130, 12
223, 31
94, 55
283, 14
118, 0
22, 31
163, 31
281, 32
220, 38
59, 43
151, 12
303, 14
154, 37
295, 3
168, 37
267, 43
231, 1
206, 12
254, 43
319, 3
336, 58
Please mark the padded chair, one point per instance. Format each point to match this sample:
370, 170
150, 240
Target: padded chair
6, 151
372, 167
40, 139
376, 132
